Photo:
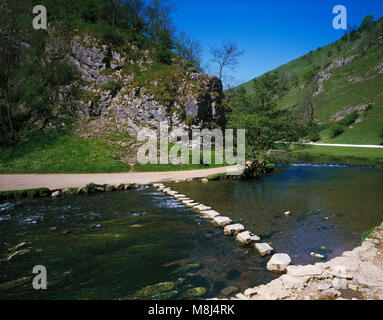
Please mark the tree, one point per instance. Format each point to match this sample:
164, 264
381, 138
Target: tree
134, 13
265, 123
189, 49
225, 55
160, 26
367, 20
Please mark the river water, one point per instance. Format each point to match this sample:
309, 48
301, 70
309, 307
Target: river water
143, 244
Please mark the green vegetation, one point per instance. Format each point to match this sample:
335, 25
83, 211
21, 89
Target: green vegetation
27, 193
366, 234
358, 83
59, 152
340, 155
265, 123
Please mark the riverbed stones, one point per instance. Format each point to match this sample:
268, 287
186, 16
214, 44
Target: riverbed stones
187, 201
247, 238
221, 221
209, 214
279, 262
263, 248
233, 229
180, 195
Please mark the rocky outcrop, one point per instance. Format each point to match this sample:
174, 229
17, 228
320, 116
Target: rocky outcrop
325, 74
120, 84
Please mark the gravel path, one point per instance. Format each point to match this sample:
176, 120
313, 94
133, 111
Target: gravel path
60, 181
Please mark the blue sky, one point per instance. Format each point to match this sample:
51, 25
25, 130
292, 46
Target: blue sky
271, 32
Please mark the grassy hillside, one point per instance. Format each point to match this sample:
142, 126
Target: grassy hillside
358, 83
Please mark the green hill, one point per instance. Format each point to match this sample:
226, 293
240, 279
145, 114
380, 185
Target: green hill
343, 82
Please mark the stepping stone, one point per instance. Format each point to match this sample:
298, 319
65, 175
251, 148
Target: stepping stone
157, 185
182, 199
278, 262
247, 237
191, 204
161, 188
209, 214
187, 201
233, 229
263, 248
202, 207
222, 221
179, 196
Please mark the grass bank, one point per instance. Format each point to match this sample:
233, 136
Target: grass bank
338, 155
59, 152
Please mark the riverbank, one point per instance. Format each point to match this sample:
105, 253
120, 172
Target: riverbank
325, 154
356, 274
61, 181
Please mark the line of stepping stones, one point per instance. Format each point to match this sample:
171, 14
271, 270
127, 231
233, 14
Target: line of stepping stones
278, 262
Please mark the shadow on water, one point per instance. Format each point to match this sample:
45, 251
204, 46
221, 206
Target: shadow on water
142, 244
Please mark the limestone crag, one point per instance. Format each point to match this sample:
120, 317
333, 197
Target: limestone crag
116, 87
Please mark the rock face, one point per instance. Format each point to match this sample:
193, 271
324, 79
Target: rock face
186, 100
278, 262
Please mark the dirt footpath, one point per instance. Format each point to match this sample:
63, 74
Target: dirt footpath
60, 181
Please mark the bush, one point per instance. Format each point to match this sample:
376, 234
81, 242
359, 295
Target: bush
349, 119
112, 36
163, 55
336, 129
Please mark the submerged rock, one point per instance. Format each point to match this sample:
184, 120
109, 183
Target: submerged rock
279, 262
189, 267
154, 290
229, 291
195, 292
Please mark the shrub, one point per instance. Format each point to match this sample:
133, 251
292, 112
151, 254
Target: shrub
163, 55
112, 36
336, 129
349, 119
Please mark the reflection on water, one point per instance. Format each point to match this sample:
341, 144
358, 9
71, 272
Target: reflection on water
113, 245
